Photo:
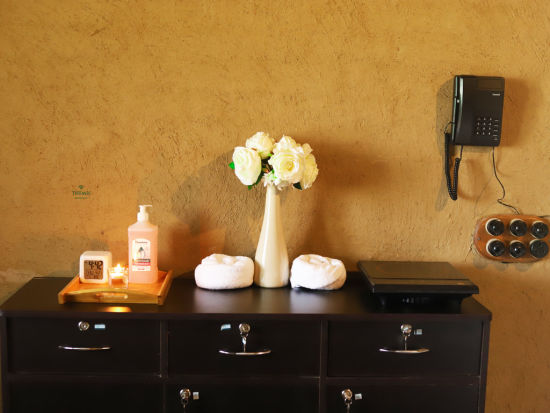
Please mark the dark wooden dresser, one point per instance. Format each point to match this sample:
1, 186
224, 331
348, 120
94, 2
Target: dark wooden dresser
250, 350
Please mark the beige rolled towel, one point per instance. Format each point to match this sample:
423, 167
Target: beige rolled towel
317, 273
224, 272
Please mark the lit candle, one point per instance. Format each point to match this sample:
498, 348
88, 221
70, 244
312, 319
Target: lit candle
118, 275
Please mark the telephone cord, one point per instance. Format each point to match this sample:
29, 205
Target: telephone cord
452, 186
500, 200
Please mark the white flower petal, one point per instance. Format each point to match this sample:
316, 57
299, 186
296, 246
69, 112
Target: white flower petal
262, 143
248, 165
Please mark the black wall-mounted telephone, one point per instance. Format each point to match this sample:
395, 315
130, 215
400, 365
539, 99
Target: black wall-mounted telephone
477, 110
477, 118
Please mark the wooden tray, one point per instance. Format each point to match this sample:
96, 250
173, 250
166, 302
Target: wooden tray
75, 291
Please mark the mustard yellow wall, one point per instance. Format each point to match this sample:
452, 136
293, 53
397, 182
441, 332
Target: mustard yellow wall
144, 101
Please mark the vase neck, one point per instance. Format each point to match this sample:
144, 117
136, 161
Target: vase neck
272, 204
272, 197
271, 190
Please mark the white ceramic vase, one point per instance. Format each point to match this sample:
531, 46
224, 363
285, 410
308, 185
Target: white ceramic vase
271, 261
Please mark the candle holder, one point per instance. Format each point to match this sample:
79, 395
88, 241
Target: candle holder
118, 276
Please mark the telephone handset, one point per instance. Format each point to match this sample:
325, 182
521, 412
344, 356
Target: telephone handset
477, 118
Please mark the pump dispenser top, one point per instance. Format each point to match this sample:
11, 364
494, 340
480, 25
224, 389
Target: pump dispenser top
143, 215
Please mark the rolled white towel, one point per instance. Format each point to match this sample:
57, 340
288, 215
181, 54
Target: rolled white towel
317, 273
223, 272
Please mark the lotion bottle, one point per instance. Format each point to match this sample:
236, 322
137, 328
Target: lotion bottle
142, 249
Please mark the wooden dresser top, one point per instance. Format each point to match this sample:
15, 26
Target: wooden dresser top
186, 300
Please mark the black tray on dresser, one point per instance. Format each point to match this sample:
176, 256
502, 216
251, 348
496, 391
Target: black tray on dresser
417, 283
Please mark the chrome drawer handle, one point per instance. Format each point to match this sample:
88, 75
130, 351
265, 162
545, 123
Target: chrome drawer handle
73, 348
244, 329
415, 351
244, 353
406, 330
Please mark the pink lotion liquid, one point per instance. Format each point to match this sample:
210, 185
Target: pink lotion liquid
142, 250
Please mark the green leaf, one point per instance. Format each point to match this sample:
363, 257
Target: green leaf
257, 181
298, 186
232, 165
259, 178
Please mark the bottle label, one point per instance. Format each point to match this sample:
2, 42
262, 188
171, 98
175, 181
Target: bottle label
141, 255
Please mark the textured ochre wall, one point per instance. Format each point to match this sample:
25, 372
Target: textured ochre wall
144, 101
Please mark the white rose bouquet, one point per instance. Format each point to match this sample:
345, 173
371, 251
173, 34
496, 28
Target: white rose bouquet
282, 164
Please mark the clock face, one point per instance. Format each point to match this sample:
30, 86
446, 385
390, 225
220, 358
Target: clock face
93, 269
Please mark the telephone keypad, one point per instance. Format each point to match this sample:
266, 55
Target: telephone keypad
486, 126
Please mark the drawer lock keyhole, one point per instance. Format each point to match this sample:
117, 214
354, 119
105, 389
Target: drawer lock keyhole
347, 395
185, 395
406, 331
83, 325
244, 331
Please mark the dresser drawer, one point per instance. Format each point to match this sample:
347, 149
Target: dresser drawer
375, 348
83, 345
405, 396
62, 396
272, 347
246, 396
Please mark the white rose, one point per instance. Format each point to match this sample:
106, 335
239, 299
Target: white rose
248, 165
262, 142
310, 173
307, 149
285, 143
271, 179
289, 164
